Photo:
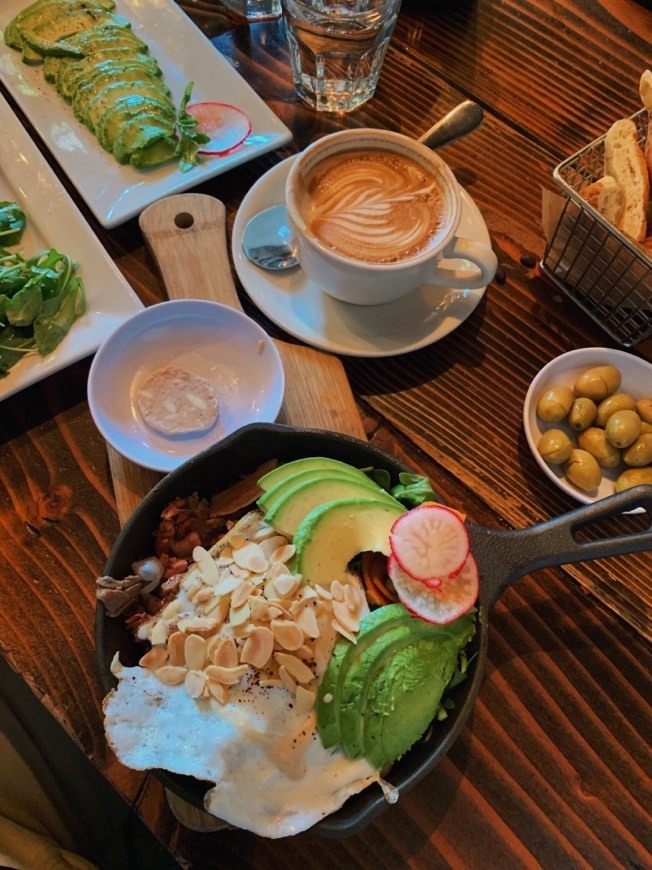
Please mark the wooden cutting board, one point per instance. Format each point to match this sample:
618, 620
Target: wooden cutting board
186, 235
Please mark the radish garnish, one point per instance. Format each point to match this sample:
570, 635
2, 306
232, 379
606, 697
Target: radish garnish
429, 542
455, 597
227, 126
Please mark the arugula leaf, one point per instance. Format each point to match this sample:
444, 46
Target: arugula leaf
413, 489
189, 137
12, 223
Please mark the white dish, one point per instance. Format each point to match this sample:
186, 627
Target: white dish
563, 370
222, 345
53, 220
298, 305
115, 193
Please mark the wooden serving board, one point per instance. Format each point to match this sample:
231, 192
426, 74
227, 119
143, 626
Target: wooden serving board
186, 235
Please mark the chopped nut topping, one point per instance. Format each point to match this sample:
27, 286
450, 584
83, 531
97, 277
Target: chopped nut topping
226, 676
323, 593
171, 610
195, 652
287, 634
155, 658
225, 654
171, 675
239, 615
240, 594
228, 582
219, 691
286, 584
258, 647
264, 533
287, 680
176, 648
159, 633
343, 615
194, 683
259, 609
251, 558
305, 700
337, 590
283, 553
307, 622
344, 632
297, 669
271, 544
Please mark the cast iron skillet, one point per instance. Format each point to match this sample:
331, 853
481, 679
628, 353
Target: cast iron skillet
502, 556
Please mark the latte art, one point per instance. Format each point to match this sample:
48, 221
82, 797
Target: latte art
373, 205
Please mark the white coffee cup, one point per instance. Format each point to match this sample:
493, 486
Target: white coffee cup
359, 281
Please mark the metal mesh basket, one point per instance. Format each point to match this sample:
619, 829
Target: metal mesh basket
604, 271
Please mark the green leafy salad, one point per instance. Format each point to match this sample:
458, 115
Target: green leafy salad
40, 296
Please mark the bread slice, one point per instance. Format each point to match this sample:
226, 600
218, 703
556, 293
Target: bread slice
607, 198
645, 89
624, 160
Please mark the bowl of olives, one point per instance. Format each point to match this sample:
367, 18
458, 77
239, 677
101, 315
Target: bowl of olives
588, 421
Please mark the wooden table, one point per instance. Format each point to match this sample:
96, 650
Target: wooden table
553, 767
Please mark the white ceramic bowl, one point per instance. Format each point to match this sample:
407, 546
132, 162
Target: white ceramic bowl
564, 369
222, 345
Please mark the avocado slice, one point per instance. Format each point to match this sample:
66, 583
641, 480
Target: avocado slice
267, 481
110, 123
403, 695
269, 498
93, 41
63, 20
139, 134
327, 705
290, 510
95, 104
155, 154
333, 534
46, 48
41, 11
70, 75
107, 72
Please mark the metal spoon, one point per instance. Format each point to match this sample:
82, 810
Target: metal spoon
267, 240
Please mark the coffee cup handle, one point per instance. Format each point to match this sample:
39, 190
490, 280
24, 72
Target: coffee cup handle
481, 255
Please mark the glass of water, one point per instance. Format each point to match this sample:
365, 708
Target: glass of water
337, 49
255, 10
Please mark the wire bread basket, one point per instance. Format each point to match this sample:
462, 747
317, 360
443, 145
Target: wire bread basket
605, 272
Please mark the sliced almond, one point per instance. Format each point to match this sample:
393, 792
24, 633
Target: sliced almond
271, 544
171, 675
194, 683
259, 609
286, 584
226, 654
201, 624
344, 632
171, 610
307, 622
297, 669
218, 610
176, 648
352, 597
241, 593
270, 590
228, 581
337, 590
305, 652
344, 616
269, 683
283, 553
287, 680
159, 634
195, 652
206, 565
225, 557
258, 647
287, 634
226, 676
155, 658
251, 558
305, 700
264, 533
323, 593
239, 615
206, 593
237, 541
219, 691
191, 579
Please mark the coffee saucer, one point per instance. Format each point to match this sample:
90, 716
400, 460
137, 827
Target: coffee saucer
298, 305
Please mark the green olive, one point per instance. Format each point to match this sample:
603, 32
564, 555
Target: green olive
644, 409
555, 446
582, 414
583, 470
594, 441
633, 477
613, 403
623, 428
639, 453
598, 383
554, 403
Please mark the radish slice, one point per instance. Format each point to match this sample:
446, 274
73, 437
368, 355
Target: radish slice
227, 126
455, 597
429, 542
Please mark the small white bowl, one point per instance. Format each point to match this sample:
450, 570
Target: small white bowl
563, 370
222, 345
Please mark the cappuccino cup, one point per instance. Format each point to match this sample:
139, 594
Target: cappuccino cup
374, 212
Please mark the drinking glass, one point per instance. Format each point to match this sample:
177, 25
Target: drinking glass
255, 10
337, 49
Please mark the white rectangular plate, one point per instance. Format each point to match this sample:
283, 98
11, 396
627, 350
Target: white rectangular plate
116, 193
54, 221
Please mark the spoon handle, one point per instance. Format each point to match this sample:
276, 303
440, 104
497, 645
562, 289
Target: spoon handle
458, 122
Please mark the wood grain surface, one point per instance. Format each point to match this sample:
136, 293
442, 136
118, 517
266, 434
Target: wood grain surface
553, 768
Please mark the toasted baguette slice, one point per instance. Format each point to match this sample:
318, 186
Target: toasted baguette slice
645, 89
607, 198
624, 160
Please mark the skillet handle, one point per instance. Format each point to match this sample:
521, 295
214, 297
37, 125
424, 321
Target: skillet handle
504, 556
